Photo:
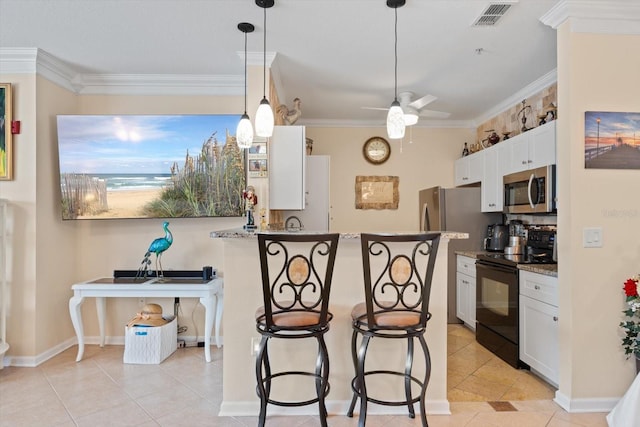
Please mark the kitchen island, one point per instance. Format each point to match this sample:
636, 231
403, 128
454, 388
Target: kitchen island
243, 294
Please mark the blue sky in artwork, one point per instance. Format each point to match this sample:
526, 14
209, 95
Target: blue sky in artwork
135, 143
612, 125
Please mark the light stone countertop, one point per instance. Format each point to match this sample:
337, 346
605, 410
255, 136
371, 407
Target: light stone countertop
470, 254
546, 269
239, 233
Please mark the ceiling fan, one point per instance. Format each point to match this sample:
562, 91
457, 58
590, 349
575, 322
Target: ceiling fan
414, 109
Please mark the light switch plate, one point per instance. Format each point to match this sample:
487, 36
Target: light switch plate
592, 237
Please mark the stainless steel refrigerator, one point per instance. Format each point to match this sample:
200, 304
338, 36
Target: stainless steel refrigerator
455, 209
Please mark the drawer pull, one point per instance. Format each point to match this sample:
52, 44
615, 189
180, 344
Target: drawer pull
536, 287
555, 318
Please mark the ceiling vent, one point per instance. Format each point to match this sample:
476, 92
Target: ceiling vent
492, 14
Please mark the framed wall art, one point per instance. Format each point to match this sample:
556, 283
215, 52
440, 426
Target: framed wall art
150, 166
377, 192
257, 159
6, 141
611, 140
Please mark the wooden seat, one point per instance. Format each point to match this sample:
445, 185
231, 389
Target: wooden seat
297, 270
397, 282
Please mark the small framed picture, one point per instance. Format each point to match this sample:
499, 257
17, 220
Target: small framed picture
258, 168
258, 150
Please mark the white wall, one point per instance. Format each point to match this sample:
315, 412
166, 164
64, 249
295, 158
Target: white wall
596, 72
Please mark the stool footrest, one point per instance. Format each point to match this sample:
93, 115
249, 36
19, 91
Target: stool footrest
325, 385
387, 402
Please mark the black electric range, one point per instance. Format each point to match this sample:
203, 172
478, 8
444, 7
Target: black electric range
539, 250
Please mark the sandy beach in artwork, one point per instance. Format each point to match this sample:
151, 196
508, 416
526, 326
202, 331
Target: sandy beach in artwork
128, 203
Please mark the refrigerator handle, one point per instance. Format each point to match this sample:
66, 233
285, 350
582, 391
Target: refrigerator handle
425, 216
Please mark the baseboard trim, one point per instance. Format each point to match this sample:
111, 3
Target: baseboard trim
334, 407
603, 404
34, 361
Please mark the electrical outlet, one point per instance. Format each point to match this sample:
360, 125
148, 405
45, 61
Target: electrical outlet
141, 302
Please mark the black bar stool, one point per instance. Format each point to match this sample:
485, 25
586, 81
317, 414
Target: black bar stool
296, 281
397, 283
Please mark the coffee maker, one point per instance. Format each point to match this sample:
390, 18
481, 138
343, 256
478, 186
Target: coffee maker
497, 238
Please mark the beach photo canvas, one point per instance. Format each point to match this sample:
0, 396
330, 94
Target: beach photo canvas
611, 140
150, 166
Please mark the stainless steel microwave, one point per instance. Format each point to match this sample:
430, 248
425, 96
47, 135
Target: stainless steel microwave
531, 191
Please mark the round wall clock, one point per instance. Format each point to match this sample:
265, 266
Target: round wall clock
376, 150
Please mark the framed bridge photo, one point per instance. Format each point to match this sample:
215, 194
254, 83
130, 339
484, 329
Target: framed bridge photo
6, 141
611, 140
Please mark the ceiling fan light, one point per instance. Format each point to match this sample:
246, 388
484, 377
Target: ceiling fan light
244, 132
395, 121
410, 116
264, 119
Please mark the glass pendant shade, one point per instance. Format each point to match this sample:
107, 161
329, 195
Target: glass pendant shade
395, 121
264, 119
244, 132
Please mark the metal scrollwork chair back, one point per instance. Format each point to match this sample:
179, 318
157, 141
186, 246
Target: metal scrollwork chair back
398, 270
297, 271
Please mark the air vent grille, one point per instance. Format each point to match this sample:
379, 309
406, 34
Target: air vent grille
492, 14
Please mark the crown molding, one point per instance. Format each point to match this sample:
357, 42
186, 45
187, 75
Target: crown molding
158, 84
18, 60
40, 62
345, 123
595, 16
531, 89
258, 58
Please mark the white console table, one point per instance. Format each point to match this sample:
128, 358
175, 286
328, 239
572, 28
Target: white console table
210, 294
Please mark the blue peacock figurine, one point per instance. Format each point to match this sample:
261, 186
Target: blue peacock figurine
158, 246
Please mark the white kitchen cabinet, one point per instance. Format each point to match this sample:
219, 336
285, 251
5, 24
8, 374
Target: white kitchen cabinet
287, 164
539, 346
469, 169
466, 290
315, 216
533, 149
492, 197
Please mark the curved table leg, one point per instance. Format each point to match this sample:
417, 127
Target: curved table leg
75, 311
219, 308
101, 308
209, 307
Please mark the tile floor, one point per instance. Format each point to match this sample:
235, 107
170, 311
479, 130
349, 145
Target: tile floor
185, 391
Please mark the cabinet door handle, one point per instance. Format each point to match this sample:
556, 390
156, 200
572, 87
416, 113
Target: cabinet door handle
524, 162
529, 161
536, 287
465, 282
555, 318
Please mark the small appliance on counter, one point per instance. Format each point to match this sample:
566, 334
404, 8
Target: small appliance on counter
540, 246
497, 238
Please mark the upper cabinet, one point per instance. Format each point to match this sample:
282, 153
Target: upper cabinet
469, 169
495, 158
287, 156
529, 150
533, 149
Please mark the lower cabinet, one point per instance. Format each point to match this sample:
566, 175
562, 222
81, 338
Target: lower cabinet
466, 290
539, 346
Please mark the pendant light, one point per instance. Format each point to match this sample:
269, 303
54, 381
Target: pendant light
244, 132
395, 118
264, 115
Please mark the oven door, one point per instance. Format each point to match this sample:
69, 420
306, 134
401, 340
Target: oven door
497, 299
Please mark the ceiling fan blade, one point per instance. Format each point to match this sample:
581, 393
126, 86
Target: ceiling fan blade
421, 102
374, 108
432, 114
